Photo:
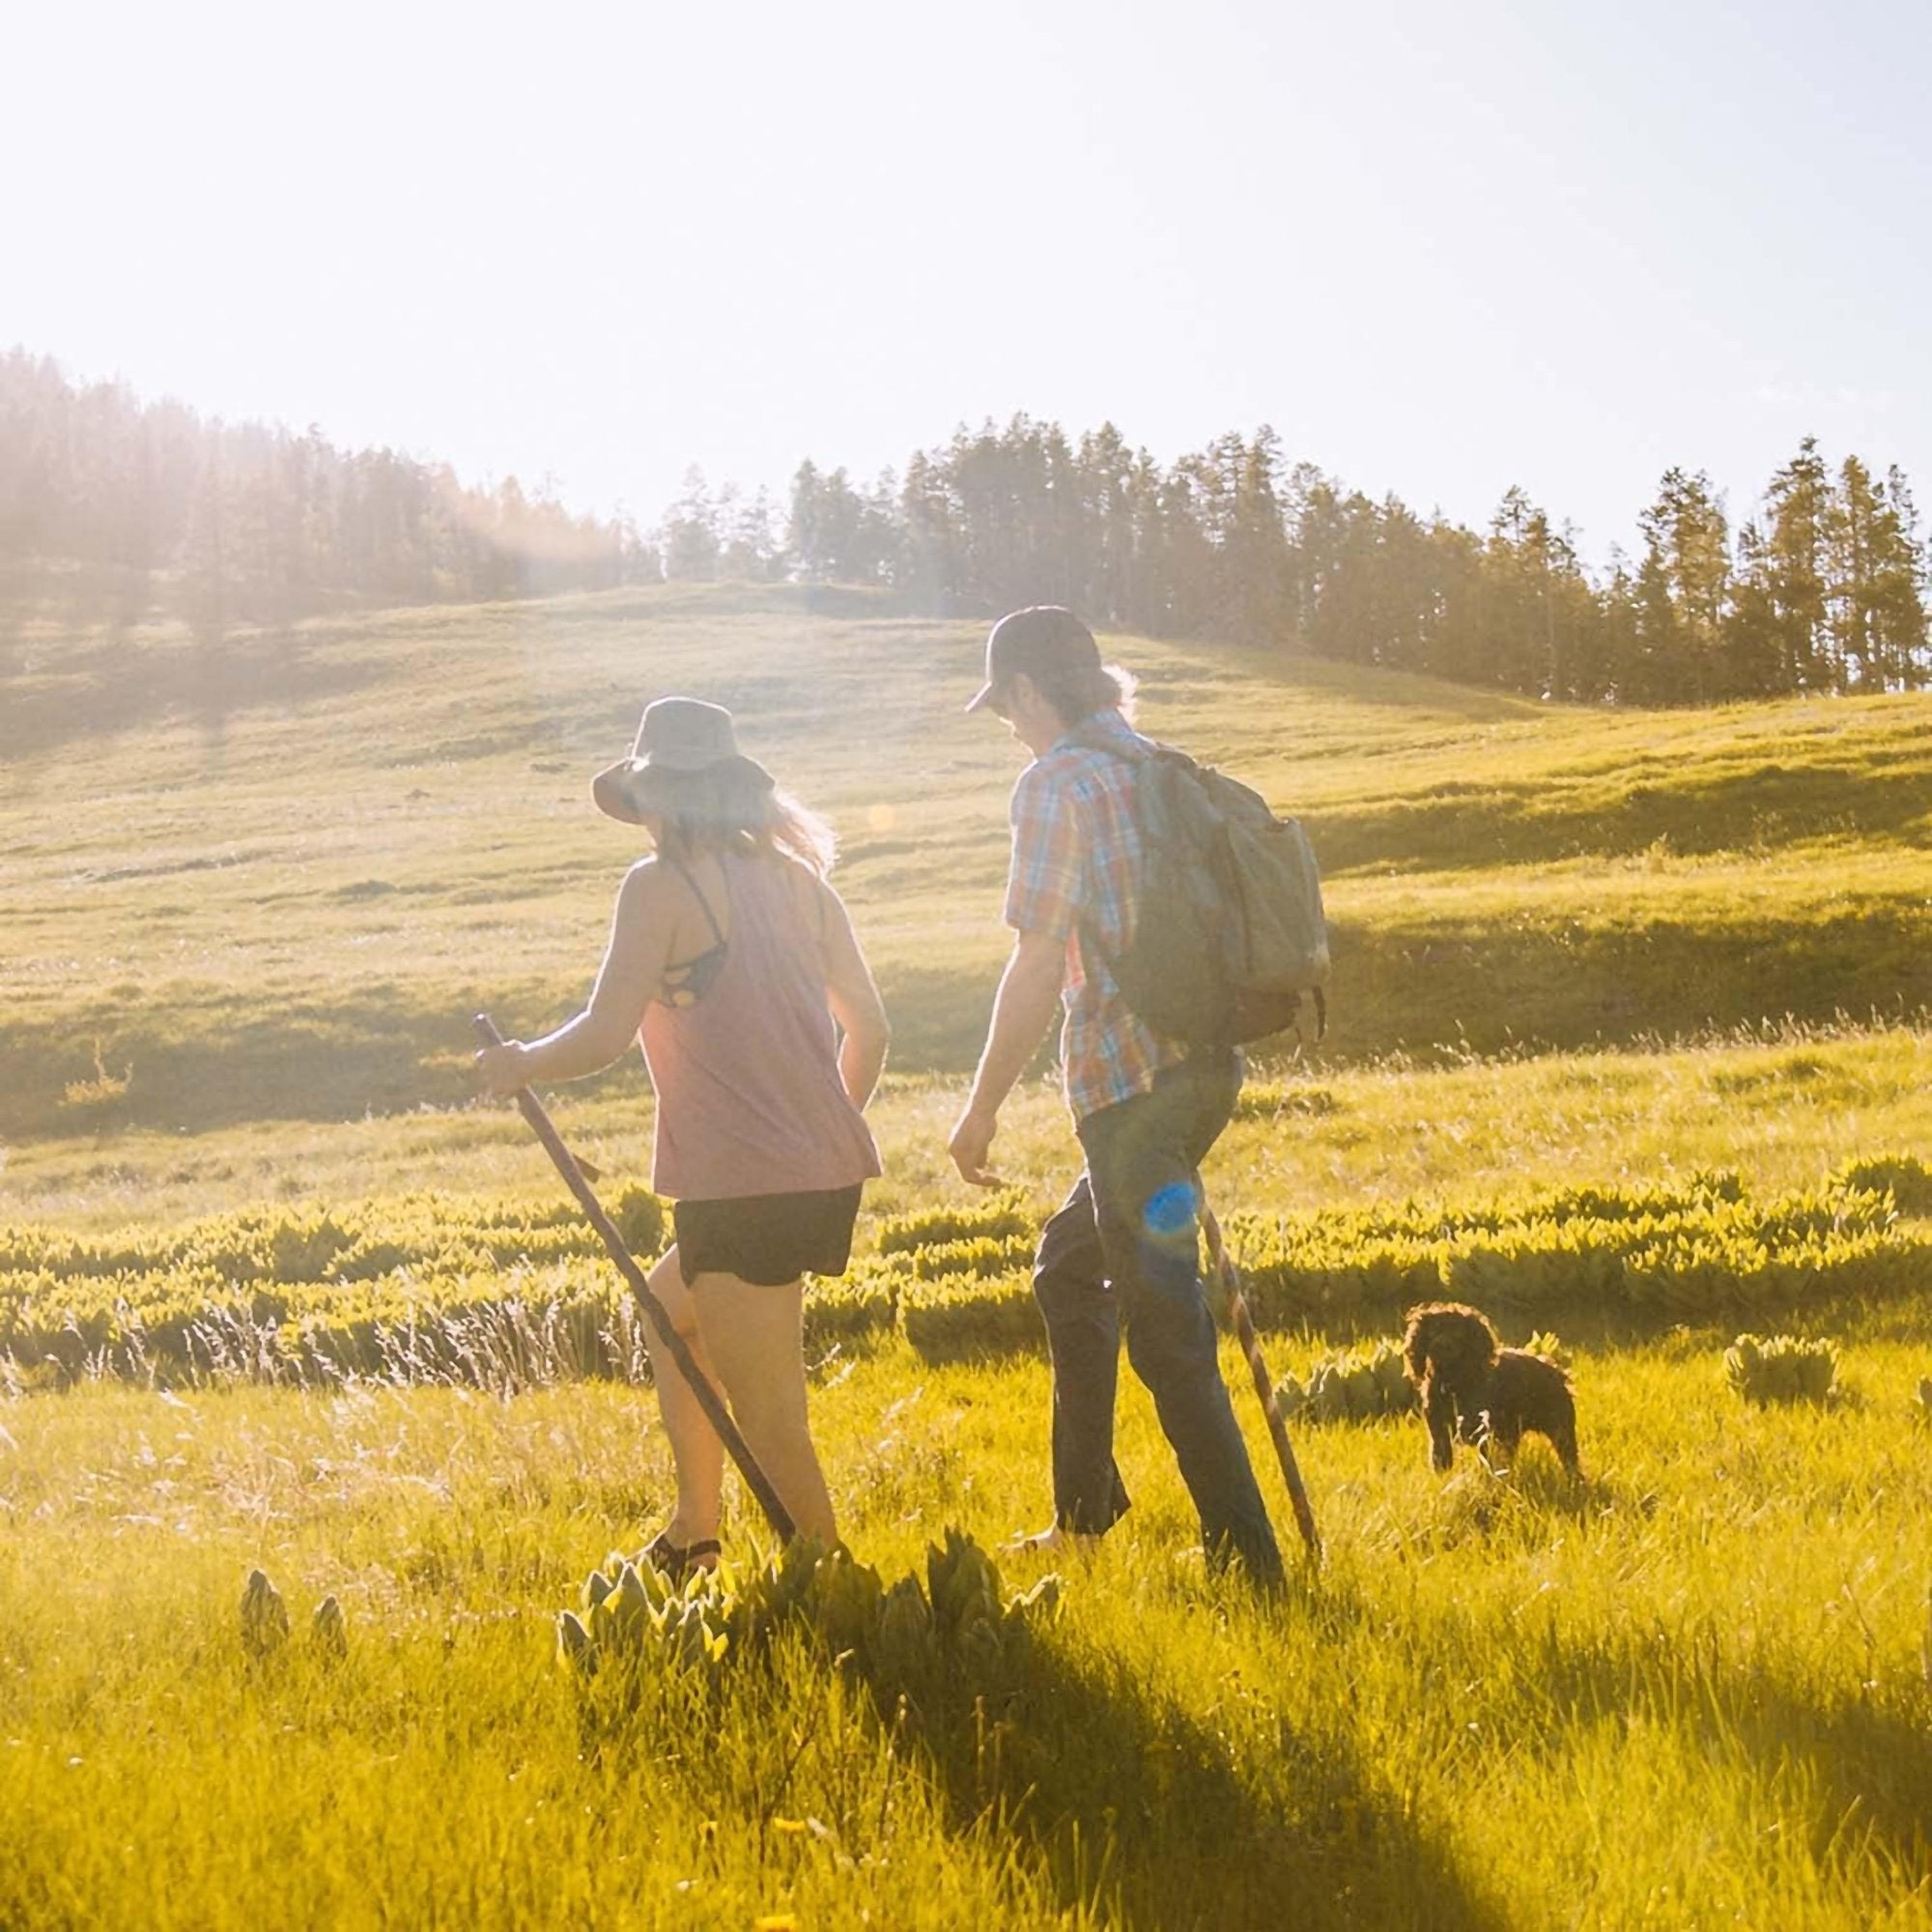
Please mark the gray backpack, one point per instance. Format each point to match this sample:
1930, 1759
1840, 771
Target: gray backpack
1230, 937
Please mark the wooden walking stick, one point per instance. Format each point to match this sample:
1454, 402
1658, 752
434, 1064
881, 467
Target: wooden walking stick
1244, 1329
708, 1398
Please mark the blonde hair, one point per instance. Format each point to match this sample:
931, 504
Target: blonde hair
727, 808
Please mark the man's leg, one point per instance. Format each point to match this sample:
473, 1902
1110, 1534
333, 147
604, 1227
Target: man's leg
1083, 1336
1141, 1159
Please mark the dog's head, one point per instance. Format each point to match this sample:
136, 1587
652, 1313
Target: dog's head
1447, 1339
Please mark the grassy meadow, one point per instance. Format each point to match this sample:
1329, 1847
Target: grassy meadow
1630, 1032
285, 904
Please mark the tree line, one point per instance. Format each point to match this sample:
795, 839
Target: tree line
112, 511
1822, 589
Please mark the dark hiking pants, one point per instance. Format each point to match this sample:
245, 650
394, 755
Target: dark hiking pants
1126, 1250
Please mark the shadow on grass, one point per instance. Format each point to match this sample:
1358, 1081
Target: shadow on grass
1043, 1758
1485, 988
1525, 1505
1866, 1759
203, 1058
1131, 1806
939, 1018
1193, 669
226, 1060
1475, 825
104, 687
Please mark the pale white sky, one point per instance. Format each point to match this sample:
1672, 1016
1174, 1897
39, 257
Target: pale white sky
1441, 247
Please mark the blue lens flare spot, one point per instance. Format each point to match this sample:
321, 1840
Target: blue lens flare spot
1171, 1212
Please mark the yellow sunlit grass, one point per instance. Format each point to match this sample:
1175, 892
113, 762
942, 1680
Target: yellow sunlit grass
247, 905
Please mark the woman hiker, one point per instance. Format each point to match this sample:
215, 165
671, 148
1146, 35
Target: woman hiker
764, 1036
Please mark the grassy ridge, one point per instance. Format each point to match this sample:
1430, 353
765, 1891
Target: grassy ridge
284, 907
1786, 1110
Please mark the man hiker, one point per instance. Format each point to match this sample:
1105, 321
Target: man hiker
1124, 1248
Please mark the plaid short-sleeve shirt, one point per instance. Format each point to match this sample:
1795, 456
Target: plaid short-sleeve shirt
1076, 856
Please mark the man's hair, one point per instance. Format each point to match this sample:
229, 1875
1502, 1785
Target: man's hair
1078, 692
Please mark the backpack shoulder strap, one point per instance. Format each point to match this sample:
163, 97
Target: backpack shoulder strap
1091, 738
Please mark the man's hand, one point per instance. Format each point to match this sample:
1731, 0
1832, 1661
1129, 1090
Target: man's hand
501, 1068
971, 1143
1028, 993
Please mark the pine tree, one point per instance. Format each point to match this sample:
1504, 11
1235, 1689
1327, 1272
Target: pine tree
1515, 571
1906, 574
1619, 632
1875, 615
1757, 645
1106, 469
750, 549
1687, 562
1455, 640
690, 532
1254, 549
804, 537
1793, 566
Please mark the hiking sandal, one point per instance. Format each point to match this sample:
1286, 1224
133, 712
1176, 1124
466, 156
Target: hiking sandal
677, 1561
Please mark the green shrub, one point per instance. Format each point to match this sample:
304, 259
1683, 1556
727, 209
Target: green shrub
640, 1219
1358, 1385
950, 1319
1903, 1175
1781, 1368
958, 1626
982, 1256
846, 1311
1005, 1217
500, 1290
1685, 1254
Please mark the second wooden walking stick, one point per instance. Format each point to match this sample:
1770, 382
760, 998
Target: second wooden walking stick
1251, 1348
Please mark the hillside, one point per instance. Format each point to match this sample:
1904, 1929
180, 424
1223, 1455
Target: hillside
307, 1305
273, 883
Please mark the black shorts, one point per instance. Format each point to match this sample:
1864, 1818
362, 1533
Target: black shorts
767, 1239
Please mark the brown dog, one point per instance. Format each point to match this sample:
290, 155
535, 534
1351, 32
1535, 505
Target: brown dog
1471, 1386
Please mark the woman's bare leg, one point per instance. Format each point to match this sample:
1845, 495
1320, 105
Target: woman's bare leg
755, 1336
694, 1447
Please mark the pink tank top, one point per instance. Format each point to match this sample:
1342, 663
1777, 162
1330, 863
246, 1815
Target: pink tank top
747, 1077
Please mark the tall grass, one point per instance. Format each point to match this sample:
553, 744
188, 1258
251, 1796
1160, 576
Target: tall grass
1688, 1690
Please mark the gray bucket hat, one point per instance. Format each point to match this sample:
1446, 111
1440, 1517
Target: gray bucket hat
679, 738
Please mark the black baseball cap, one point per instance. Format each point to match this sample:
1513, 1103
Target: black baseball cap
1039, 641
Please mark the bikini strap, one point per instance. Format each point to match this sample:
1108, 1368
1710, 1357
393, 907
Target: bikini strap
704, 903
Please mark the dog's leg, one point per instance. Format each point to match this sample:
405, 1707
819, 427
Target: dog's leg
1438, 1409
